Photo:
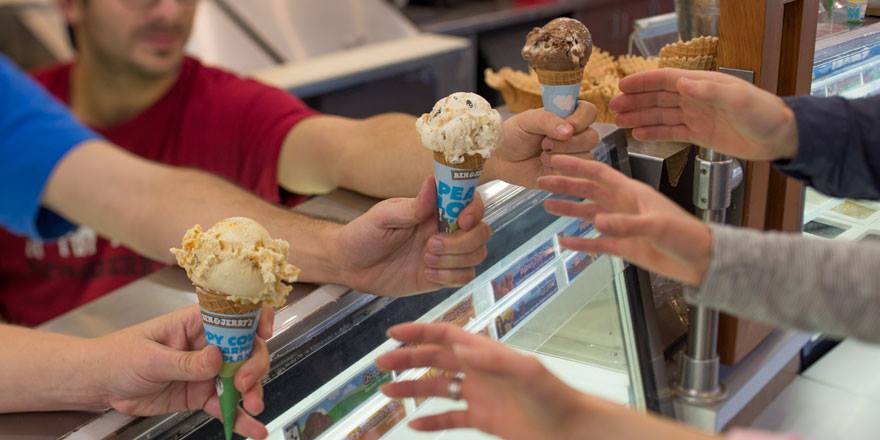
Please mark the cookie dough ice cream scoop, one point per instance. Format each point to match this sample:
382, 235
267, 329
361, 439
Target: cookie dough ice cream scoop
462, 130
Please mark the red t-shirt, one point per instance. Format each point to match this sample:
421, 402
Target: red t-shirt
209, 119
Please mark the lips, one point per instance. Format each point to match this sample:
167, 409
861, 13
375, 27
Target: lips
162, 39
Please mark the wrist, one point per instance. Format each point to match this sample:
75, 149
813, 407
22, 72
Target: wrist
320, 260
90, 388
787, 144
490, 172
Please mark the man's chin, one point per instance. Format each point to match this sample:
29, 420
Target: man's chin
158, 65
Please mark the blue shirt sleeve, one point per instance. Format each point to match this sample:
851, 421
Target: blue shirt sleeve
36, 131
838, 145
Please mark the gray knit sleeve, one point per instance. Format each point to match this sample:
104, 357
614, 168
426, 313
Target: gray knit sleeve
789, 280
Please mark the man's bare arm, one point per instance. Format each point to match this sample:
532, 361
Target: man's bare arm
380, 156
148, 206
383, 156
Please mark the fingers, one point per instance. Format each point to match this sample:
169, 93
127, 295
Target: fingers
568, 208
589, 169
582, 188
450, 277
434, 387
498, 361
456, 261
628, 226
245, 424
583, 116
582, 142
544, 123
465, 248
472, 214
169, 365
247, 378
630, 102
431, 355
400, 213
731, 97
434, 333
267, 322
665, 80
651, 117
598, 245
447, 420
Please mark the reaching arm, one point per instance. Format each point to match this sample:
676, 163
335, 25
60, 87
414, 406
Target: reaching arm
167, 368
148, 206
382, 156
365, 155
839, 150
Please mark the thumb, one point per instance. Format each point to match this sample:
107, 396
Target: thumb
189, 366
400, 213
544, 123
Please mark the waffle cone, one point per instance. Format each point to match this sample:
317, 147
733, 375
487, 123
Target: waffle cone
216, 303
595, 96
471, 161
559, 77
601, 63
599, 92
693, 48
704, 62
519, 90
630, 64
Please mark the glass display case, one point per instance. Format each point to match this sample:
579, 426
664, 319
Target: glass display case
583, 316
846, 64
571, 310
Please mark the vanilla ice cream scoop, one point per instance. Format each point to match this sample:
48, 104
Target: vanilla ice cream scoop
238, 258
460, 124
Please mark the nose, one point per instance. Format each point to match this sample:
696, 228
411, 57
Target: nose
167, 10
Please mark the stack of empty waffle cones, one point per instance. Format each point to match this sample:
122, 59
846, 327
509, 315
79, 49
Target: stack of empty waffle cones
601, 63
599, 92
521, 91
630, 64
700, 53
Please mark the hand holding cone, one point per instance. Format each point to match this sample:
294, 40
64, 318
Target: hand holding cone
236, 268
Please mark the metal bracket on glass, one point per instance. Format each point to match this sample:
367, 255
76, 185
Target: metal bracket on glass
715, 183
715, 179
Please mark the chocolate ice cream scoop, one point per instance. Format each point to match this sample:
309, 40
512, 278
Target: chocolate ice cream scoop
563, 44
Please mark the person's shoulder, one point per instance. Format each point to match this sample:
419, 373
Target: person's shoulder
54, 78
222, 86
218, 80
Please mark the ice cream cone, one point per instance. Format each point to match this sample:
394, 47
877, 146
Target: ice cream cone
703, 62
559, 77
216, 303
461, 130
693, 48
559, 90
231, 326
236, 268
473, 162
